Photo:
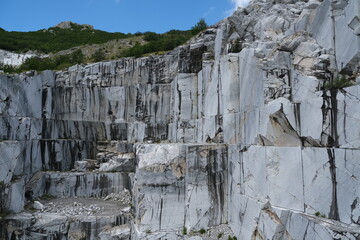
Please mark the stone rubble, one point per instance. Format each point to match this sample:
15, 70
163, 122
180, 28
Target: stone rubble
124, 197
74, 210
38, 205
222, 232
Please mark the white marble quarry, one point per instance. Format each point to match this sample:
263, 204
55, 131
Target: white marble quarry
181, 186
159, 188
10, 153
347, 42
61, 226
14, 59
25, 158
119, 232
266, 221
306, 188
339, 19
84, 184
252, 126
14, 196
206, 186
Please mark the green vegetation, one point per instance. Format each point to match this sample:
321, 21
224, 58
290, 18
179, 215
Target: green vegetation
202, 231
219, 235
54, 39
184, 231
201, 25
236, 46
341, 81
57, 39
98, 56
232, 238
318, 214
15, 178
164, 42
76, 57
7, 68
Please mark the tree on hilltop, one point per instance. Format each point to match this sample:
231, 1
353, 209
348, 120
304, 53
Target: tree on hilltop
199, 26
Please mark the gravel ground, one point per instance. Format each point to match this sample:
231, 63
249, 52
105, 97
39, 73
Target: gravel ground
124, 197
222, 232
84, 206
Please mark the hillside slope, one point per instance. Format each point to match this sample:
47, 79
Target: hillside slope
69, 43
56, 38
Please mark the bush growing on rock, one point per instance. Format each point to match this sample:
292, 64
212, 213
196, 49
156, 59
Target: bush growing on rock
199, 26
184, 231
7, 68
341, 81
77, 57
98, 56
164, 42
202, 231
236, 46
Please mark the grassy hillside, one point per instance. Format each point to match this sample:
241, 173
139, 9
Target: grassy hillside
82, 45
54, 39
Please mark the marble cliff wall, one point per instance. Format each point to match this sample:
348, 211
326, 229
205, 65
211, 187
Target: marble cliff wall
14, 59
252, 126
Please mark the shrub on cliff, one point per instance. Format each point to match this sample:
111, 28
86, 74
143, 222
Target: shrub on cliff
199, 26
7, 68
98, 56
77, 57
165, 41
38, 64
341, 81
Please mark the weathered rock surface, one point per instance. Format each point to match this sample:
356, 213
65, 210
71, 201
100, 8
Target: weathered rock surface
71, 218
250, 130
14, 59
70, 25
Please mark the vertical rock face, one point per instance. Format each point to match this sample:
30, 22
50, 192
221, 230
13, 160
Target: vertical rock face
251, 125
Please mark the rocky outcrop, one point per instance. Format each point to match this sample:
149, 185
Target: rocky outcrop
14, 59
250, 130
70, 25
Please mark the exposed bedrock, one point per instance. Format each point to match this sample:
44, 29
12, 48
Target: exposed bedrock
249, 130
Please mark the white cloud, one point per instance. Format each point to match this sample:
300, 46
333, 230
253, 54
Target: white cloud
209, 12
240, 3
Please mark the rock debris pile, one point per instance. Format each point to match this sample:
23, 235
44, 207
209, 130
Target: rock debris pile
124, 197
73, 210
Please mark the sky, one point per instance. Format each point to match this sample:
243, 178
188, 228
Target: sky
127, 16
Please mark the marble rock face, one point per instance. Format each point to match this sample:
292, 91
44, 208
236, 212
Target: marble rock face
249, 130
14, 59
